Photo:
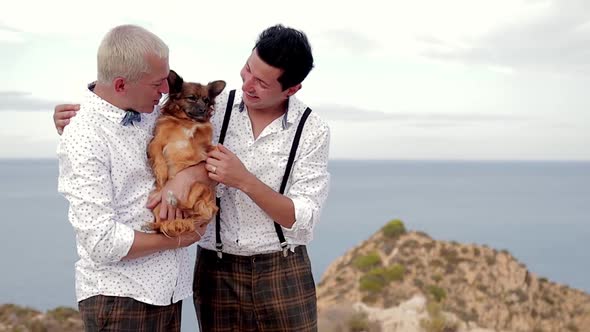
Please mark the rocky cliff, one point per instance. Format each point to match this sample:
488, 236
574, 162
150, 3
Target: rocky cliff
15, 318
406, 281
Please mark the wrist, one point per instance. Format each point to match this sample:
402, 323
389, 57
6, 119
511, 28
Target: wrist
169, 243
248, 183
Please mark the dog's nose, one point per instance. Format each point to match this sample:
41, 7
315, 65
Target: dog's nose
198, 110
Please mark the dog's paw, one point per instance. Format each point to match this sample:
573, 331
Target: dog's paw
148, 227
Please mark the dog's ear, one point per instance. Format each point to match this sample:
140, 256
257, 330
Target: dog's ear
215, 88
174, 82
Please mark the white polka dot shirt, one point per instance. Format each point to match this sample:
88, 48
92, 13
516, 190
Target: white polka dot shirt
105, 176
245, 228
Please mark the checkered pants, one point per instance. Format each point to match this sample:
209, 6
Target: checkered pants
262, 293
124, 314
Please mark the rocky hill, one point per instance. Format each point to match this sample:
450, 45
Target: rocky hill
15, 318
406, 281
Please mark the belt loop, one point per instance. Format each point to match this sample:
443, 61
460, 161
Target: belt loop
285, 248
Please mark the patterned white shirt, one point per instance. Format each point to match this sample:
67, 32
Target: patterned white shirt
245, 228
105, 176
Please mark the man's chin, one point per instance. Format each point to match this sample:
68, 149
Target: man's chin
147, 109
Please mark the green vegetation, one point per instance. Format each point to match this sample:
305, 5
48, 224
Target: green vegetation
17, 318
450, 255
358, 322
436, 277
376, 279
572, 327
418, 283
367, 262
61, 314
8, 310
476, 252
394, 228
437, 293
437, 322
436, 263
412, 244
429, 245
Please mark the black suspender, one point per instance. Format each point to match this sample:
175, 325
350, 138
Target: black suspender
288, 172
291, 160
228, 108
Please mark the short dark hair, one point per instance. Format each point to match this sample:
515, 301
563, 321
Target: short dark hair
287, 49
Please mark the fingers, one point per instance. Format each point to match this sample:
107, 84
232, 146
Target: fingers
60, 125
153, 200
212, 167
164, 210
215, 177
62, 119
215, 154
178, 214
64, 115
66, 107
171, 212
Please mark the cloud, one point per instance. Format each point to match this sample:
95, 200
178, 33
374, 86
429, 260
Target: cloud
24, 101
348, 113
5, 27
9, 34
349, 40
557, 40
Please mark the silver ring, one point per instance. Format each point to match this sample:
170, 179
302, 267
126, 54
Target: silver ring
171, 199
214, 169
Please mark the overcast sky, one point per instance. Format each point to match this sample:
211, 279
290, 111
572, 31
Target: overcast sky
491, 80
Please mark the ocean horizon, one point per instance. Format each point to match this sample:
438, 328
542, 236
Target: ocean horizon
537, 210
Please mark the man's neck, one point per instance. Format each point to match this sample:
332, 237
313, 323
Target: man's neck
106, 93
269, 114
260, 118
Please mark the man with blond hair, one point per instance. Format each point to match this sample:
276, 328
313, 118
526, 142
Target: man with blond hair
126, 279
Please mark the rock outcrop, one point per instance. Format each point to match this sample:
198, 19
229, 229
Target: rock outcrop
406, 281
17, 318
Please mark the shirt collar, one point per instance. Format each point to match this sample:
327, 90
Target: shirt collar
294, 109
108, 110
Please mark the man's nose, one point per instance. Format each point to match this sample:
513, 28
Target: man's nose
165, 88
248, 83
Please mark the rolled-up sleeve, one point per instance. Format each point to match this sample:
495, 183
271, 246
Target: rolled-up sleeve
309, 182
85, 181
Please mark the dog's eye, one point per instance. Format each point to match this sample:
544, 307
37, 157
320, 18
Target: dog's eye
206, 100
191, 98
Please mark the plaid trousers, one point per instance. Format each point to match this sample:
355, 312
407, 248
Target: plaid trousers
263, 293
124, 314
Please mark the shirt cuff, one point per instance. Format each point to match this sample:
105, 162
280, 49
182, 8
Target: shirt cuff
123, 237
303, 215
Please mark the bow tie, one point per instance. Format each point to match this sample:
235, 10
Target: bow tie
131, 116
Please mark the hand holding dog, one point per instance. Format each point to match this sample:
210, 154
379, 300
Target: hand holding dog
226, 168
180, 186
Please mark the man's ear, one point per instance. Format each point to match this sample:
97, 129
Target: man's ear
174, 82
119, 84
292, 90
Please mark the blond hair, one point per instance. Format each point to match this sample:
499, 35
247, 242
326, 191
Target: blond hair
123, 53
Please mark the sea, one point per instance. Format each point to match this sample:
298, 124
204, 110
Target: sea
537, 210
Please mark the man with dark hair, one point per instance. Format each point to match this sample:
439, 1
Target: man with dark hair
253, 272
254, 286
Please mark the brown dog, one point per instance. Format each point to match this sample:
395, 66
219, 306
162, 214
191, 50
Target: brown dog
182, 139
